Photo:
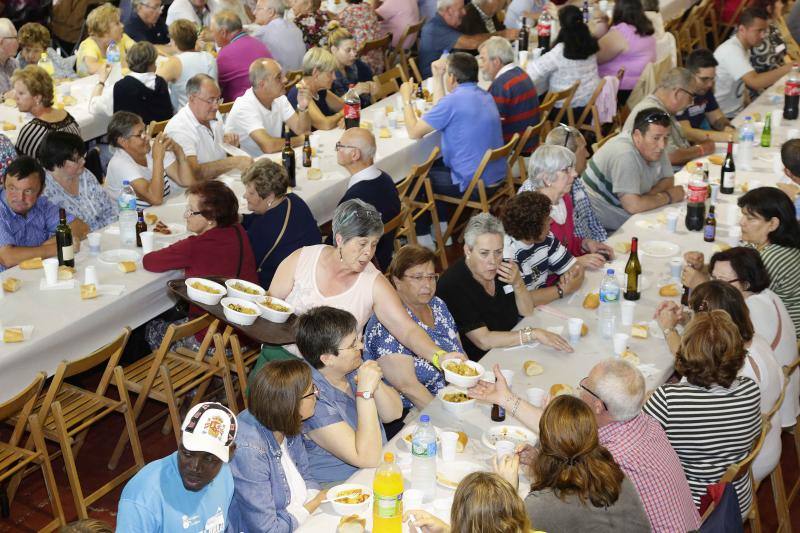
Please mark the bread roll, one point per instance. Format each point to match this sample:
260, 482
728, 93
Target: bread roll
532, 368
622, 247
13, 335
127, 266
669, 290
716, 159
640, 331
8, 126
11, 284
31, 264
592, 301
559, 389
150, 218
385, 134
88, 291
65, 273
314, 174
584, 329
352, 524
630, 356
462, 441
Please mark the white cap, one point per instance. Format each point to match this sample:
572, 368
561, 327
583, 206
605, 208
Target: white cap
209, 427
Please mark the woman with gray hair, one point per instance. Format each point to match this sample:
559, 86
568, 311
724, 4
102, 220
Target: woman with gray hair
280, 222
551, 171
141, 92
486, 293
343, 276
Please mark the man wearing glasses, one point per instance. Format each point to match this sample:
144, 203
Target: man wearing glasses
631, 173
703, 119
145, 24
8, 52
673, 95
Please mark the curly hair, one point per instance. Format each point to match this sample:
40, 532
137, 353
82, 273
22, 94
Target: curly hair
217, 202
38, 82
267, 177
571, 460
100, 20
524, 216
485, 502
184, 34
712, 351
33, 34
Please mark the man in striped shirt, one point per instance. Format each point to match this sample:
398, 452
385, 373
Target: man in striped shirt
615, 391
512, 89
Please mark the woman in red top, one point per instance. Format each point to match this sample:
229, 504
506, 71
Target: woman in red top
219, 246
551, 171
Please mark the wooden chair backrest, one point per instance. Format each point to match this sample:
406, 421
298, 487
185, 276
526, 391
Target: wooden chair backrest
412, 65
412, 183
157, 127
21, 406
381, 43
565, 97
389, 82
529, 132
587, 110
398, 220
412, 30
225, 108
293, 77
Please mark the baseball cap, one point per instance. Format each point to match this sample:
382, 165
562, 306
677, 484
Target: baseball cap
209, 427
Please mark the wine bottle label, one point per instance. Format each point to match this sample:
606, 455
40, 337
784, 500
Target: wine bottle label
729, 180
67, 253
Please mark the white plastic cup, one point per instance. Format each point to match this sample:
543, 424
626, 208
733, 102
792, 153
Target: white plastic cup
523, 58
732, 215
777, 119
672, 221
620, 343
50, 270
509, 375
536, 396
793, 133
315, 162
412, 499
449, 440
147, 238
504, 447
90, 275
714, 192
574, 326
734, 235
94, 242
675, 267
754, 184
627, 309
393, 120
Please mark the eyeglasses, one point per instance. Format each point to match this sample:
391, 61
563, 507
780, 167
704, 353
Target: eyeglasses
210, 101
314, 392
419, 278
189, 213
715, 278
158, 8
353, 347
584, 387
339, 146
142, 135
690, 93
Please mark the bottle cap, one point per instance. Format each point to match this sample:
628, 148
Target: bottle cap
610, 271
424, 419
126, 182
388, 457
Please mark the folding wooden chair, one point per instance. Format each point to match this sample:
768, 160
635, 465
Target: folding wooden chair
154, 128
241, 360
504, 190
389, 82
412, 65
599, 144
225, 108
589, 120
382, 44
68, 412
794, 488
411, 193
726, 28
168, 375
708, 16
402, 221
15, 459
565, 98
403, 52
518, 158
293, 78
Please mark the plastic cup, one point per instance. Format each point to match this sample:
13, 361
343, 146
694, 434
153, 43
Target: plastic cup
90, 275
672, 221
627, 309
50, 270
504, 447
523, 58
147, 238
734, 235
574, 326
393, 120
754, 184
620, 342
412, 499
714, 192
94, 242
449, 440
675, 267
536, 396
509, 375
777, 119
315, 162
732, 215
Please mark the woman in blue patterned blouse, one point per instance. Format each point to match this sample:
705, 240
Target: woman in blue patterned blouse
413, 274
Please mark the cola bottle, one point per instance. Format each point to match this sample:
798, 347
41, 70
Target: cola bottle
352, 108
791, 95
543, 29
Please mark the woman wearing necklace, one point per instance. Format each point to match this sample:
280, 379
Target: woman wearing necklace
280, 222
319, 71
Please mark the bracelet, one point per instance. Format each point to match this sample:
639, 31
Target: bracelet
520, 338
516, 405
101, 83
435, 359
669, 198
560, 291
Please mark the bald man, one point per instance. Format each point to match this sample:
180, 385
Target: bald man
355, 151
258, 116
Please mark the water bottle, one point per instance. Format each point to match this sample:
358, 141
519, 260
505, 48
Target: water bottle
609, 299
127, 214
423, 458
747, 135
112, 53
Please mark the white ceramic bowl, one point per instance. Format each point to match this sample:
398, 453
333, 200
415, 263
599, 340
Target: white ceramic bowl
238, 317
459, 380
457, 408
202, 296
345, 509
235, 293
273, 315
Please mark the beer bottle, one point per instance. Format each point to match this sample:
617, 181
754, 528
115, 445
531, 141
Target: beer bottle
633, 273
727, 176
66, 253
766, 133
710, 226
585, 12
498, 413
140, 227
287, 155
307, 152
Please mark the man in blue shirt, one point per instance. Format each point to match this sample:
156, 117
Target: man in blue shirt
28, 220
704, 119
145, 24
191, 489
469, 122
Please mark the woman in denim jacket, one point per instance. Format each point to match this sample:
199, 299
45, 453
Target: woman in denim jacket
273, 488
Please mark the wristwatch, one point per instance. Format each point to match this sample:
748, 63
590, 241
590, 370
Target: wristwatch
367, 395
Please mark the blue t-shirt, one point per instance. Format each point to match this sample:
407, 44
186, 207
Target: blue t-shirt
470, 124
436, 37
333, 406
696, 113
155, 500
321, 102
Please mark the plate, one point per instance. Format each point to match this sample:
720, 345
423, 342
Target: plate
659, 248
408, 431
113, 257
178, 230
27, 332
450, 474
515, 434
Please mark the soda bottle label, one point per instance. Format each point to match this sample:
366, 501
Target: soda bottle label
543, 29
388, 506
421, 450
792, 88
352, 111
697, 192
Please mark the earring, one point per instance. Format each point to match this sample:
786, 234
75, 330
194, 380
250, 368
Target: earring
341, 259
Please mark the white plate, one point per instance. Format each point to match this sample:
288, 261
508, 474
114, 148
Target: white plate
659, 248
113, 257
515, 434
408, 431
27, 332
450, 474
178, 230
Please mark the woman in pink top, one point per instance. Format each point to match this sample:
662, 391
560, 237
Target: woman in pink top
629, 43
343, 276
396, 16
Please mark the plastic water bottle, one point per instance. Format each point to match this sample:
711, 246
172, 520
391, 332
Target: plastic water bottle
112, 52
423, 458
127, 214
609, 300
747, 135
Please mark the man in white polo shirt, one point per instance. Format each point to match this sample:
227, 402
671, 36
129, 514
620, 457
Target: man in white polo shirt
258, 116
734, 72
197, 128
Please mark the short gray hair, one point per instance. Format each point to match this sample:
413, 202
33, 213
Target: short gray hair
277, 6
545, 162
121, 126
620, 385
195, 83
7, 27
480, 224
563, 135
443, 4
677, 78
365, 144
141, 56
227, 20
498, 48
356, 218
260, 72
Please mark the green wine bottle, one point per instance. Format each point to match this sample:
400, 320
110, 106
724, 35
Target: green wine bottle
66, 253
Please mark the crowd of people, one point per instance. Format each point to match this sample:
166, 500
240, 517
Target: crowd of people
376, 321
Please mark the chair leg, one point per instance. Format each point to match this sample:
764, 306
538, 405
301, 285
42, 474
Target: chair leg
172, 404
47, 473
122, 442
69, 462
779, 497
130, 419
754, 517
